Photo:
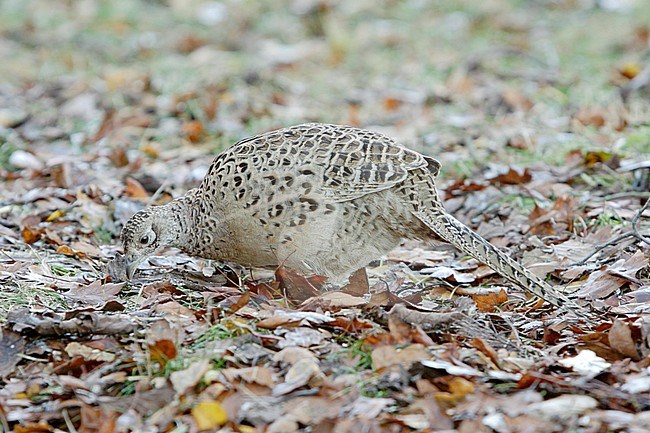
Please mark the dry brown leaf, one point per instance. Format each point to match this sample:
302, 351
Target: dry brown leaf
182, 380
31, 235
11, 346
403, 332
79, 322
386, 356
594, 116
298, 288
486, 349
193, 130
512, 177
291, 355
68, 251
118, 157
32, 427
150, 149
330, 301
91, 354
488, 302
358, 283
391, 104
162, 351
300, 374
620, 339
240, 302
459, 388
259, 375
134, 189
609, 278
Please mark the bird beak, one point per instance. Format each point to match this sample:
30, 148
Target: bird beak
130, 269
131, 263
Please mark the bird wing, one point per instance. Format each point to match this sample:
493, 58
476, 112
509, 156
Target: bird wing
351, 162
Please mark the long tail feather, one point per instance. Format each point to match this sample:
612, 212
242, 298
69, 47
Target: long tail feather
469, 242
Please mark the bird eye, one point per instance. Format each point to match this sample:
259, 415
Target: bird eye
144, 240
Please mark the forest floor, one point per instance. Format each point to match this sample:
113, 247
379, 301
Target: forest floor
538, 112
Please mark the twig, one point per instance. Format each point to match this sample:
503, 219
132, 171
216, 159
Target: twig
68, 421
158, 192
634, 232
635, 222
627, 194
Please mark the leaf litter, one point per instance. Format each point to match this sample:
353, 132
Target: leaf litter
428, 340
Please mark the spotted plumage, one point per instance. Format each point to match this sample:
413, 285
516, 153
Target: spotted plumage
322, 199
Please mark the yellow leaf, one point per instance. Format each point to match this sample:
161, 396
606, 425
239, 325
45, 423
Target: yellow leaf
65, 250
55, 215
150, 150
460, 387
630, 70
209, 414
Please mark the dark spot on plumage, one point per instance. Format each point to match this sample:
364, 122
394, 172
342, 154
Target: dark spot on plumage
329, 208
310, 204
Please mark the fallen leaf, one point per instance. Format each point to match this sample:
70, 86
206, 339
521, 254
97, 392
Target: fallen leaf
283, 317
301, 336
586, 363
193, 130
386, 356
488, 302
182, 380
357, 284
298, 375
447, 273
512, 177
162, 351
31, 235
88, 353
134, 189
331, 301
562, 407
11, 345
80, 322
209, 414
293, 354
459, 388
620, 339
259, 375
629, 70
591, 116
297, 287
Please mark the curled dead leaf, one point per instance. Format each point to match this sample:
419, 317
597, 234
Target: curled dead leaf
193, 130
459, 388
31, 235
134, 189
162, 351
620, 339
68, 251
512, 177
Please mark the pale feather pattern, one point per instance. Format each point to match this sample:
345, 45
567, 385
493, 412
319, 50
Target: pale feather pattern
323, 199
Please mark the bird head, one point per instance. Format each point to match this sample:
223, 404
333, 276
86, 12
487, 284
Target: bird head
141, 237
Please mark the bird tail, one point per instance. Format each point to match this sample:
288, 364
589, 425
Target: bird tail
469, 242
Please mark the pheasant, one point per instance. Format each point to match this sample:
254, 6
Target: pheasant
319, 199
